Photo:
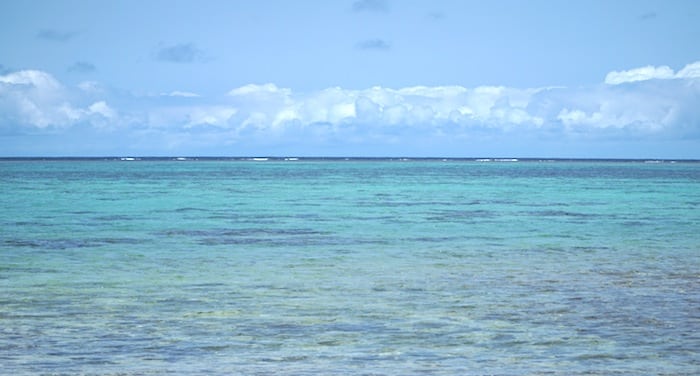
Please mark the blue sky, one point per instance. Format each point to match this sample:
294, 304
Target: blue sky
350, 78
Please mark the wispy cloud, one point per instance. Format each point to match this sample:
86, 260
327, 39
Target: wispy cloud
374, 44
648, 15
436, 16
370, 6
180, 53
182, 94
81, 67
54, 35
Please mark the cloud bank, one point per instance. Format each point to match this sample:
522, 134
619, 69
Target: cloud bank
647, 103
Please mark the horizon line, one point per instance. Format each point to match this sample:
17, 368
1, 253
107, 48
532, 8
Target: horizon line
261, 158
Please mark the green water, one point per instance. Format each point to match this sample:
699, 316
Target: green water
349, 267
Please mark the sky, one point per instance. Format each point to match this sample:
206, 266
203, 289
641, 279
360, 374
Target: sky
498, 78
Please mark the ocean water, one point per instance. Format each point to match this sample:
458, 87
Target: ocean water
359, 267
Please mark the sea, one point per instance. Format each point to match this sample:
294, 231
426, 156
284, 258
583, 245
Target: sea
335, 266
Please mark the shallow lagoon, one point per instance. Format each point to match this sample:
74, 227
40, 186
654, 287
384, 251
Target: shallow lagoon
349, 267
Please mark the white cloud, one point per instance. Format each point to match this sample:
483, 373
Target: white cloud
184, 94
690, 71
578, 117
419, 105
215, 115
650, 72
101, 108
653, 101
37, 99
91, 87
639, 74
186, 117
253, 89
38, 79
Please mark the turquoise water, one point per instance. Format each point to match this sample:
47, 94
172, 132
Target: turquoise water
349, 267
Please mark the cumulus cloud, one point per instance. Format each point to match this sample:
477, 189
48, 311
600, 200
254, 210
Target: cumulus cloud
690, 71
374, 44
651, 72
101, 108
32, 78
180, 53
636, 109
268, 106
370, 6
35, 98
53, 35
661, 105
641, 108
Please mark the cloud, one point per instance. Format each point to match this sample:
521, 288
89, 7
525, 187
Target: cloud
639, 74
374, 44
651, 72
82, 67
436, 16
370, 6
56, 35
36, 99
690, 71
660, 106
180, 53
189, 117
183, 94
648, 15
257, 90
101, 108
641, 108
91, 87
